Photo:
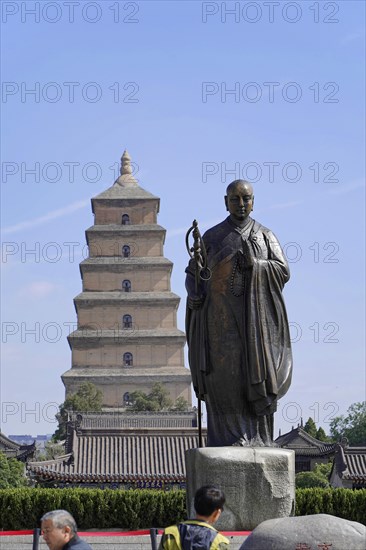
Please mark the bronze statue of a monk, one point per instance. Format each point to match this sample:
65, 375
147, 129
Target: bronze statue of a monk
237, 329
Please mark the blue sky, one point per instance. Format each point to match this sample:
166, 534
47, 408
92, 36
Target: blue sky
273, 92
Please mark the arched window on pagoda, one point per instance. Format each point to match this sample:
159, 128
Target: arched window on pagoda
126, 219
127, 359
127, 321
126, 285
126, 251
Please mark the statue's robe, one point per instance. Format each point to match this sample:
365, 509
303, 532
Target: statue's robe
239, 343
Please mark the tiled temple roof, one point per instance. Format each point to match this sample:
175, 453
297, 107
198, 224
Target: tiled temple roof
123, 447
120, 458
12, 449
304, 444
106, 420
350, 463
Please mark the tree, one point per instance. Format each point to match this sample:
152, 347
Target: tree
157, 400
352, 426
322, 436
11, 473
142, 402
161, 396
180, 405
310, 427
88, 398
319, 477
51, 450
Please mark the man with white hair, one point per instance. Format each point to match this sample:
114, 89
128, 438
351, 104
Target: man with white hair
59, 531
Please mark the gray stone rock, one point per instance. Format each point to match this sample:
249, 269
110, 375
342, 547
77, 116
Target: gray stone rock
258, 482
316, 532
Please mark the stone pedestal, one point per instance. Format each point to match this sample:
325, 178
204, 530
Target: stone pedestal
258, 482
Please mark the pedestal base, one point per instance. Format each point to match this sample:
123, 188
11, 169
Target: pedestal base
258, 482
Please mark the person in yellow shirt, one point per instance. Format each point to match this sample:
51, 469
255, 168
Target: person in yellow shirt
199, 533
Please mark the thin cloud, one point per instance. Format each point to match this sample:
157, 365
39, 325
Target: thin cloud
283, 205
351, 37
59, 213
37, 289
347, 188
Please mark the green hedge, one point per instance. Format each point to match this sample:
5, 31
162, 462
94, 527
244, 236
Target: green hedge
107, 509
92, 508
344, 503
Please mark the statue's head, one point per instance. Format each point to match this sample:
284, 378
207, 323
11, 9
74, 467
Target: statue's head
239, 199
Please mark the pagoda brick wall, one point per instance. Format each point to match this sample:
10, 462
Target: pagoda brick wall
127, 337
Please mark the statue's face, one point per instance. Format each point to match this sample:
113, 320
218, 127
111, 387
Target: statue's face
239, 201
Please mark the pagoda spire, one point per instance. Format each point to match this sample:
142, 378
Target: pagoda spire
126, 178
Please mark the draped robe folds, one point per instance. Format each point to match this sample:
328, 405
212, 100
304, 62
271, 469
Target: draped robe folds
238, 340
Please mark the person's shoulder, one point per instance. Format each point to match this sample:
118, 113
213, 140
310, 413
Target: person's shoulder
78, 544
220, 542
171, 529
82, 545
257, 226
213, 231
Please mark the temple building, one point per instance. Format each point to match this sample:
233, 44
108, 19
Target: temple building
308, 450
12, 449
349, 466
122, 451
126, 340
127, 337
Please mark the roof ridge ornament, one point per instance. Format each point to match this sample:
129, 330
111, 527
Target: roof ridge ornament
344, 441
126, 178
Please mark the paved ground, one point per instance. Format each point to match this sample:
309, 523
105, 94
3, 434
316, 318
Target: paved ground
98, 542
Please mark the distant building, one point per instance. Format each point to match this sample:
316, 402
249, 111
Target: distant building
121, 450
308, 450
22, 439
13, 449
40, 440
349, 466
127, 337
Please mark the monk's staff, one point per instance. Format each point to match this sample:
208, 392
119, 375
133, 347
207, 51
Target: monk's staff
199, 254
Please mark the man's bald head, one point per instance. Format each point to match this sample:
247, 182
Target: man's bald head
239, 200
239, 183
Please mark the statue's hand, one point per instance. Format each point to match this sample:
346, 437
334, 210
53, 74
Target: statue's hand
195, 303
247, 253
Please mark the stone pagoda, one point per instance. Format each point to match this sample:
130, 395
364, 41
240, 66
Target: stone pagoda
127, 337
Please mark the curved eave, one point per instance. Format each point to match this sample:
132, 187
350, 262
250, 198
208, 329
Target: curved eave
83, 338
158, 334
158, 374
105, 478
134, 261
119, 193
114, 297
126, 230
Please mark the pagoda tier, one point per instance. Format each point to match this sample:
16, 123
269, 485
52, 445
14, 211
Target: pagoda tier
107, 348
127, 337
112, 240
147, 273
